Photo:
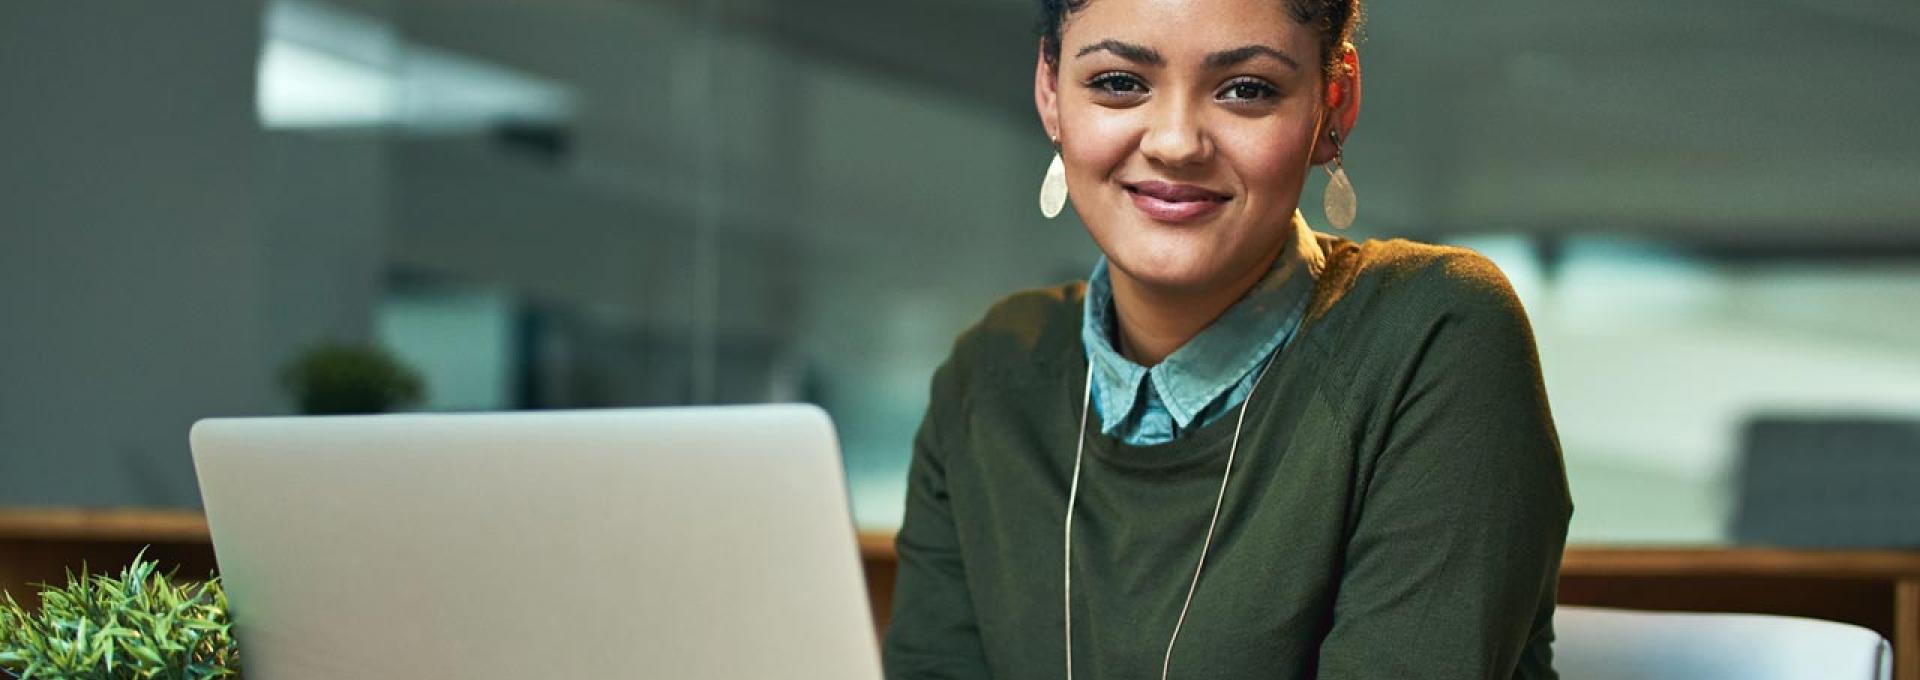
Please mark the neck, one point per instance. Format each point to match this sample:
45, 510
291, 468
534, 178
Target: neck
1155, 322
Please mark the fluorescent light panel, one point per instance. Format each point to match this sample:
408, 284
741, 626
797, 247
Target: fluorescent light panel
325, 67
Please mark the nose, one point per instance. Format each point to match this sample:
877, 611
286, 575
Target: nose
1174, 136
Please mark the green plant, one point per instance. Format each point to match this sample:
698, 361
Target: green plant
333, 379
137, 626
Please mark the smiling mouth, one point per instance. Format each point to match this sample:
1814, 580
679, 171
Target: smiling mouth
1174, 193
1175, 203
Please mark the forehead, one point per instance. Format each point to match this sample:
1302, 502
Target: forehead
1187, 27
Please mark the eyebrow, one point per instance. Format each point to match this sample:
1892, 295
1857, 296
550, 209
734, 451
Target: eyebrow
1146, 55
1240, 54
1128, 51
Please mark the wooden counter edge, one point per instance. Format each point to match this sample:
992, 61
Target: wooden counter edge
190, 526
1657, 560
1730, 561
116, 524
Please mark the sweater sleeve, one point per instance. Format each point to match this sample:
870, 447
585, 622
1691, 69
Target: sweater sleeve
933, 634
1451, 563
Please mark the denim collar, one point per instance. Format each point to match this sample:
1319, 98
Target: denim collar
1213, 361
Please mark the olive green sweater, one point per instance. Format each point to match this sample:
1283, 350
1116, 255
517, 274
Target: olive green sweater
1397, 507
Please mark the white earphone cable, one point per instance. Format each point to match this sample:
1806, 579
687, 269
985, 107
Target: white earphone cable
1073, 495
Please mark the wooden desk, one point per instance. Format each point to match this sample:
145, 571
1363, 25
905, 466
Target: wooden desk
39, 546
1878, 589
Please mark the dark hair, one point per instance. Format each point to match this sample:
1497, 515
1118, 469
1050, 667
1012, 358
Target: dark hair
1336, 20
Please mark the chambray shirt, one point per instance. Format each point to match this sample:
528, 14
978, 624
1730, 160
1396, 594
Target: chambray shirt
1215, 370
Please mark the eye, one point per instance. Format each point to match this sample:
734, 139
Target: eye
1247, 90
1117, 84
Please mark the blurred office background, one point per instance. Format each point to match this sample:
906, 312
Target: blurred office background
1711, 210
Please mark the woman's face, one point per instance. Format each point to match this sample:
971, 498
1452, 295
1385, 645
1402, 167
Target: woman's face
1187, 128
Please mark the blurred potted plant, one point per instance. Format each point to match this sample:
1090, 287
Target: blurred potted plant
139, 625
336, 379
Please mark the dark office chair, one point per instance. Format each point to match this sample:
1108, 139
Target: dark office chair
1829, 482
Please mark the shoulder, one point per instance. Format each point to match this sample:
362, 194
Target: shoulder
1386, 309
1025, 317
1031, 329
1382, 288
1434, 278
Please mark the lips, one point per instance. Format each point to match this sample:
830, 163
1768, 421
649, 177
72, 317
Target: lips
1175, 203
1174, 193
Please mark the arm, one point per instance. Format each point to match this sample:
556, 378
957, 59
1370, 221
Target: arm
932, 634
1452, 560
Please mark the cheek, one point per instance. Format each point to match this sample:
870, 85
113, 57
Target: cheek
1095, 142
1271, 160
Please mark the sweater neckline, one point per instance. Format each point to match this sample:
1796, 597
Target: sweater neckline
1196, 447
1211, 441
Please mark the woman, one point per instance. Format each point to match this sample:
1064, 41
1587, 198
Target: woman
1241, 449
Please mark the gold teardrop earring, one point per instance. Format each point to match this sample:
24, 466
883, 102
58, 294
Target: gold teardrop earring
1053, 189
1339, 202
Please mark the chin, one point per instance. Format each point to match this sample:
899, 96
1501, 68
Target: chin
1183, 270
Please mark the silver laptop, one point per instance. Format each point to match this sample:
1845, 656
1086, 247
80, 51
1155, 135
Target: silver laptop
683, 543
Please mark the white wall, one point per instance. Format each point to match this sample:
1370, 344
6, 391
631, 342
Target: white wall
128, 249
155, 263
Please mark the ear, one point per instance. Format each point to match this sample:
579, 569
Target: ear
1342, 104
1046, 93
